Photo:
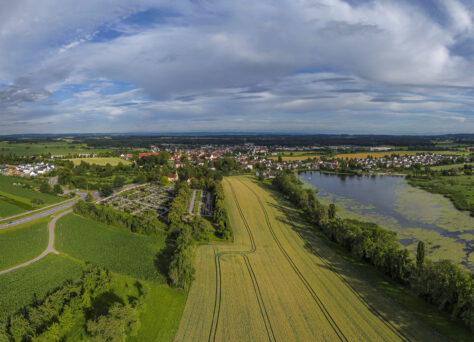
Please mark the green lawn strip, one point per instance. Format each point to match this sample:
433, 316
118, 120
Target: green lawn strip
22, 243
7, 208
21, 287
197, 199
111, 247
161, 315
427, 313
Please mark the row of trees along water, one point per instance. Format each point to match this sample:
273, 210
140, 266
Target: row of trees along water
74, 304
442, 283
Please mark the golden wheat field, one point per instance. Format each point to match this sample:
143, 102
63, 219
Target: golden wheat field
279, 282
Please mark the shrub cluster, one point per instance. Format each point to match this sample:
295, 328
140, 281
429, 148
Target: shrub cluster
146, 224
51, 319
444, 283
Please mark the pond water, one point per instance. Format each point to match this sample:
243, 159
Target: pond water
413, 213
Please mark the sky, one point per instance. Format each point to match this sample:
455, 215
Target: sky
301, 66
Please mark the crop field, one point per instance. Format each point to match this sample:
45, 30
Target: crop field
110, 247
21, 287
13, 191
278, 281
101, 161
364, 155
360, 155
22, 243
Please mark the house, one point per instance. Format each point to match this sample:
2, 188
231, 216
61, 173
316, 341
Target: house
173, 177
126, 156
141, 155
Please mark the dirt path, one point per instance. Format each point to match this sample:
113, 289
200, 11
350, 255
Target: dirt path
49, 249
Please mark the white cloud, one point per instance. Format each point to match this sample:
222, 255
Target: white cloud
394, 56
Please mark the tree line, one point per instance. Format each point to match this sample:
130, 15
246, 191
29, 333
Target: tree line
52, 318
141, 224
442, 283
221, 220
184, 232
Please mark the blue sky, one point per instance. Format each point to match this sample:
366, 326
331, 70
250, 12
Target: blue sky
354, 66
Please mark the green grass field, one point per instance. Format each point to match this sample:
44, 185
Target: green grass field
162, 314
21, 287
8, 209
20, 197
449, 167
101, 161
60, 146
110, 247
22, 243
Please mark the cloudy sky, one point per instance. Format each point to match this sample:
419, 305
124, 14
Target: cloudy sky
325, 66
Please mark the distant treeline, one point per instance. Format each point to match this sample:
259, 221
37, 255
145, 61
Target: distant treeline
444, 283
142, 224
125, 142
54, 317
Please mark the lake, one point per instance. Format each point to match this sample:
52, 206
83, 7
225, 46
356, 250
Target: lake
413, 213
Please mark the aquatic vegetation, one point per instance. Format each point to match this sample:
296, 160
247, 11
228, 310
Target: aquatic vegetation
413, 213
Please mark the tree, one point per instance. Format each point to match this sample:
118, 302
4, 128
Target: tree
45, 188
106, 190
89, 197
57, 189
119, 181
37, 201
332, 211
420, 254
164, 180
141, 178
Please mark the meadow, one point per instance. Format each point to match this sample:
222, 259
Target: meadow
113, 248
22, 243
278, 281
21, 287
114, 161
161, 315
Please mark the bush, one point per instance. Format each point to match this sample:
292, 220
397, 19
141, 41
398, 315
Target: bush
37, 201
45, 188
106, 190
57, 189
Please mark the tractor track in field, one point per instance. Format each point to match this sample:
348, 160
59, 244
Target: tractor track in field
305, 282
255, 285
370, 307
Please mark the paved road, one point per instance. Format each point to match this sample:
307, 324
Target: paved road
49, 249
10, 218
39, 215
